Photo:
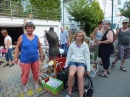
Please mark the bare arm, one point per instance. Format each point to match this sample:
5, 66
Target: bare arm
109, 38
17, 47
93, 34
40, 48
7, 45
117, 31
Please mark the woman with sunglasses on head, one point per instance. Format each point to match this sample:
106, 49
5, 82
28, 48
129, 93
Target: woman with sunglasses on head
29, 57
78, 60
106, 47
97, 36
123, 35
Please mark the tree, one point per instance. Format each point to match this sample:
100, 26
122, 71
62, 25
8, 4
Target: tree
125, 11
46, 9
10, 7
85, 13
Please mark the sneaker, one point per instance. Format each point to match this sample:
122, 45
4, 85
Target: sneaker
11, 65
68, 95
25, 89
36, 86
6, 65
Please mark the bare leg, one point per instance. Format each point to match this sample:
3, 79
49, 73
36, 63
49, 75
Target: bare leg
100, 61
72, 71
122, 62
80, 73
105, 71
116, 60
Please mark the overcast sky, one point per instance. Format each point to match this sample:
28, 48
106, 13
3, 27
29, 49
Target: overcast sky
122, 2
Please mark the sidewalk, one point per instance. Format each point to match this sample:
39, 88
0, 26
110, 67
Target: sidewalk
10, 83
116, 85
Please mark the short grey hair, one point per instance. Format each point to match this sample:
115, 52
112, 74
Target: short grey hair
107, 22
29, 24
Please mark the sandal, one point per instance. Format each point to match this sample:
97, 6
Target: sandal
103, 75
108, 72
113, 64
123, 69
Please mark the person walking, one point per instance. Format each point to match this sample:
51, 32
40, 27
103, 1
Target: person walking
45, 44
8, 47
78, 60
97, 36
123, 35
29, 57
64, 39
106, 47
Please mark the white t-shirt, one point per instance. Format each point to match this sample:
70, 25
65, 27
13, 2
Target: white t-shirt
6, 39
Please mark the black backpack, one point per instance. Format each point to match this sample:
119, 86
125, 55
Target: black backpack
63, 76
88, 89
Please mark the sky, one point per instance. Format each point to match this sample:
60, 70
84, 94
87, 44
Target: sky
122, 2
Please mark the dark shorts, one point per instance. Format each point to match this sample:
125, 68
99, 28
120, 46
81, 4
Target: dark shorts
77, 64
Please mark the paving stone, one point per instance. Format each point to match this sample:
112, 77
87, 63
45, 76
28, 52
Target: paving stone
31, 87
31, 83
11, 87
8, 92
42, 92
9, 81
18, 84
1, 95
3, 90
21, 91
2, 83
14, 82
36, 95
15, 94
6, 85
17, 89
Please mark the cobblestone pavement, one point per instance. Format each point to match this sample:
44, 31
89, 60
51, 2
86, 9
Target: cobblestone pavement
116, 85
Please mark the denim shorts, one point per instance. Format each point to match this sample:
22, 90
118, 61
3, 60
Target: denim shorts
77, 64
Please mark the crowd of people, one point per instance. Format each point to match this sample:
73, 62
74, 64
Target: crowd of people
75, 47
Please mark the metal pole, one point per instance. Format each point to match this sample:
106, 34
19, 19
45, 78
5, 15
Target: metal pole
11, 9
63, 13
112, 14
31, 13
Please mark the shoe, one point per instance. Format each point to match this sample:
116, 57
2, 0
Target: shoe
113, 64
108, 72
103, 75
123, 69
36, 86
25, 89
68, 95
11, 65
6, 65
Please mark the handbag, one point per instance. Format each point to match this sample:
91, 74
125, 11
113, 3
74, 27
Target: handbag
88, 89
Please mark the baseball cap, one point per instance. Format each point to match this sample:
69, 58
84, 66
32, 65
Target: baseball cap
125, 20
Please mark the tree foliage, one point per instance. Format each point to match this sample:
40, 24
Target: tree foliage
47, 9
11, 7
85, 13
125, 11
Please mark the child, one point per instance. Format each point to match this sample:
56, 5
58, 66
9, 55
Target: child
3, 52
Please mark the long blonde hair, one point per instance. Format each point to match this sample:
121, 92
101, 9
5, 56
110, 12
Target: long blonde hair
83, 35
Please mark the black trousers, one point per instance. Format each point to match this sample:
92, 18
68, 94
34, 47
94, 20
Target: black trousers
105, 56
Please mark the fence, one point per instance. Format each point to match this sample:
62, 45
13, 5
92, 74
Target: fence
26, 10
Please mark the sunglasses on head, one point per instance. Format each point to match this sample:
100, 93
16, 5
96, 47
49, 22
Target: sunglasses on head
124, 22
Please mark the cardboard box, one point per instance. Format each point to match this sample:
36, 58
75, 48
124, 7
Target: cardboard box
51, 89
